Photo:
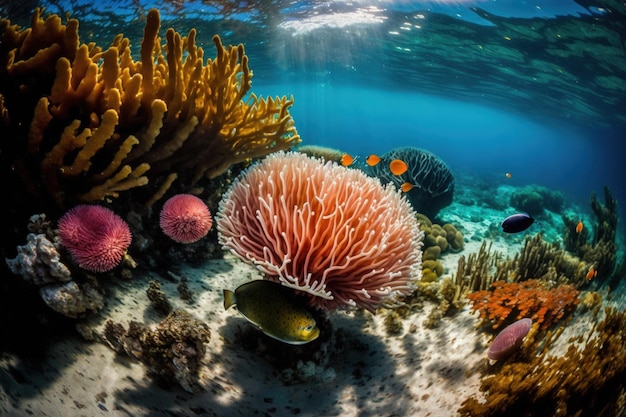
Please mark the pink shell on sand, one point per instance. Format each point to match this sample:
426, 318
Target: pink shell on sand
509, 339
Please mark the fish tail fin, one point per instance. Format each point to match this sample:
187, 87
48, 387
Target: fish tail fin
229, 299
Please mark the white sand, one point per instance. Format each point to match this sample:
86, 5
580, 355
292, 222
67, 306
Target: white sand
427, 372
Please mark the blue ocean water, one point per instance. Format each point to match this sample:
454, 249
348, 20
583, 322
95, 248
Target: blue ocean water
352, 93
537, 89
468, 136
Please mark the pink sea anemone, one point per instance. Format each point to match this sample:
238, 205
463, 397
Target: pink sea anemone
185, 218
508, 340
95, 236
331, 232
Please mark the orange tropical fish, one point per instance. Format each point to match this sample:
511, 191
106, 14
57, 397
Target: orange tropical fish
347, 160
508, 175
579, 226
372, 160
406, 187
591, 274
398, 167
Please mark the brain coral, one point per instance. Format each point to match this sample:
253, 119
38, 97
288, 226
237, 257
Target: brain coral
432, 179
331, 232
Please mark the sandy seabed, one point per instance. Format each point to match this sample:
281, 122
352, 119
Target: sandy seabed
369, 372
419, 372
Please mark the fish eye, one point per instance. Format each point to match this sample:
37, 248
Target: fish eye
306, 329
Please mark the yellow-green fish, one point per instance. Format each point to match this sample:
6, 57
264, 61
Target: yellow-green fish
275, 309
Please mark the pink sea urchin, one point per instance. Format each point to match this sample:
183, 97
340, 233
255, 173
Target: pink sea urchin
95, 236
185, 218
509, 339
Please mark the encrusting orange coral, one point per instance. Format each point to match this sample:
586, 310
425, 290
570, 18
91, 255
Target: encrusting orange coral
509, 301
89, 124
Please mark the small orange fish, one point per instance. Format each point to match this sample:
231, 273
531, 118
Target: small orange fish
372, 160
579, 226
508, 175
398, 167
406, 187
347, 160
591, 274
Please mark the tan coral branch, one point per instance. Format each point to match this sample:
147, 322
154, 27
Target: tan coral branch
93, 145
125, 179
111, 123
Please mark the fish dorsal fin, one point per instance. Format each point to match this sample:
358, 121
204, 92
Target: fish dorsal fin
229, 299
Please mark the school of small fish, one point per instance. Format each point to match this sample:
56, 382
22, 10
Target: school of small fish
396, 167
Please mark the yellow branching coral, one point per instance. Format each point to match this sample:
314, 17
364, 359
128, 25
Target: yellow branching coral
87, 123
545, 261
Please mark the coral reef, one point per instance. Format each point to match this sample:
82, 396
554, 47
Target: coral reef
591, 300
449, 297
158, 298
534, 199
573, 241
560, 385
535, 299
533, 261
448, 293
172, 351
432, 269
602, 252
432, 180
528, 201
543, 260
185, 218
184, 292
83, 123
313, 226
540, 268
39, 262
606, 214
88, 124
437, 240
478, 270
454, 237
447, 237
71, 299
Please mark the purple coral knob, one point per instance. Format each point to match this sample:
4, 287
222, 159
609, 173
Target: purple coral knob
508, 340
